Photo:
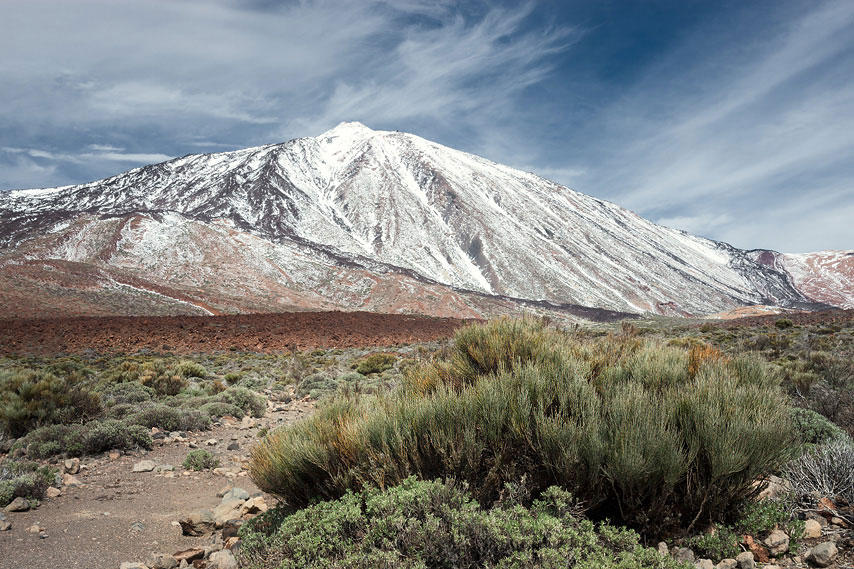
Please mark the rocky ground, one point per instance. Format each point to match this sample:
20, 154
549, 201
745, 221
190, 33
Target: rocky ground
106, 514
196, 334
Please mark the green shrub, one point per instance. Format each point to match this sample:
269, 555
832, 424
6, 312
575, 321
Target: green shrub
90, 438
131, 392
170, 418
621, 422
376, 363
252, 403
220, 409
783, 323
165, 381
813, 428
233, 378
431, 524
189, 369
200, 459
24, 479
31, 398
754, 518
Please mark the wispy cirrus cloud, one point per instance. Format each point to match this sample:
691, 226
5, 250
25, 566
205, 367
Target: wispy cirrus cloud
722, 145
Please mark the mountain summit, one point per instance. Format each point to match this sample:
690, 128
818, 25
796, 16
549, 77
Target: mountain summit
363, 219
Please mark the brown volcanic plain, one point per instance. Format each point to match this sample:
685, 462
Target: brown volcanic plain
195, 334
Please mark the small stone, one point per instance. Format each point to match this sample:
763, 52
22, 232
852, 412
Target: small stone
233, 446
164, 468
137, 526
839, 522
71, 481
812, 529
42, 535
162, 561
198, 523
777, 542
683, 554
704, 564
114, 455
745, 560
231, 542
53, 492
72, 466
223, 491
663, 549
35, 528
211, 442
728, 563
223, 560
129, 565
235, 494
5, 526
144, 466
18, 505
822, 554
189, 554
772, 566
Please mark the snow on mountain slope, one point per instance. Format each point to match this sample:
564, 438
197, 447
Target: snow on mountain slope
398, 204
825, 276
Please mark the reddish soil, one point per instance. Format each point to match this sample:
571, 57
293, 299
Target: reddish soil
799, 318
243, 332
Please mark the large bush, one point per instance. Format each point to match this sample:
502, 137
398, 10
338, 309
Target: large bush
32, 398
90, 438
436, 525
640, 432
170, 418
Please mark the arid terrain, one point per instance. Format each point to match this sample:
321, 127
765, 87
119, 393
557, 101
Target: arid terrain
194, 334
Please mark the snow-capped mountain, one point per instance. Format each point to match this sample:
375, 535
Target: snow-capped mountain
357, 218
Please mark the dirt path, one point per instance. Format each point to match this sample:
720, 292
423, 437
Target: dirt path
96, 525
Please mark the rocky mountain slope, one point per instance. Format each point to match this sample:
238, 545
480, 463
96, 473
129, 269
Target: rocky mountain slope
363, 219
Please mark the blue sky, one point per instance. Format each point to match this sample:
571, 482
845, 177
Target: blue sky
732, 120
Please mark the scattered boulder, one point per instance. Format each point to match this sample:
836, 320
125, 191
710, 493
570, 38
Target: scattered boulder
189, 555
129, 565
777, 542
745, 560
822, 554
256, 505
727, 563
223, 560
35, 528
72, 466
235, 494
162, 561
683, 554
704, 564
759, 551
71, 481
5, 526
53, 492
211, 442
227, 510
144, 466
18, 505
223, 491
164, 468
663, 549
233, 446
812, 529
198, 523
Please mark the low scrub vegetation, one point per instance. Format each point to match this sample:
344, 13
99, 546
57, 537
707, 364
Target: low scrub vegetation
421, 524
80, 439
640, 432
24, 479
200, 459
